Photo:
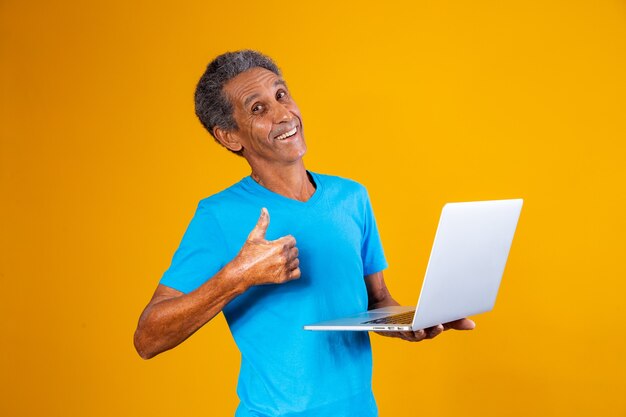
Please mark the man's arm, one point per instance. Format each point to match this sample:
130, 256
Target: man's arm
377, 292
379, 296
172, 316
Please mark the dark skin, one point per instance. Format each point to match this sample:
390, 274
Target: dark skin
172, 316
270, 136
379, 296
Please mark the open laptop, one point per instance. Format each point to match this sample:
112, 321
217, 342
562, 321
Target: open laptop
463, 274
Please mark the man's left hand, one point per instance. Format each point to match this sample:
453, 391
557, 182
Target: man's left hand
431, 332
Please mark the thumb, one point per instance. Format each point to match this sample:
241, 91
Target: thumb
258, 233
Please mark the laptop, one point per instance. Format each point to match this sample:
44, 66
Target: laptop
463, 275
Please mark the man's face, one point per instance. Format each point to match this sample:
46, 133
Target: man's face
268, 120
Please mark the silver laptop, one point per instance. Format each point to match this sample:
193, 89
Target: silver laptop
463, 274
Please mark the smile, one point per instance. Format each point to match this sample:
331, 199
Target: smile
287, 134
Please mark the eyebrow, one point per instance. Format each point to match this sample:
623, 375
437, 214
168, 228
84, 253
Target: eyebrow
248, 99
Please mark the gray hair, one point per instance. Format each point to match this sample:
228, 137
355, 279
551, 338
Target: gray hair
213, 107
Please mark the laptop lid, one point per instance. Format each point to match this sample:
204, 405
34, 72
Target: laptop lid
467, 260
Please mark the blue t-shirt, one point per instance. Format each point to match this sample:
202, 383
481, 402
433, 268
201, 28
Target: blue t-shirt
285, 370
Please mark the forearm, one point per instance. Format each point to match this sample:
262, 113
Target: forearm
377, 292
165, 324
387, 301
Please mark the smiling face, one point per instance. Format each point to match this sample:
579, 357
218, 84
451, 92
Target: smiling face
269, 125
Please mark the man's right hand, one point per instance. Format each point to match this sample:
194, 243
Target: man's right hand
172, 316
262, 261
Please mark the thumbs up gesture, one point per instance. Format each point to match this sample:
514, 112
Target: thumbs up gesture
262, 261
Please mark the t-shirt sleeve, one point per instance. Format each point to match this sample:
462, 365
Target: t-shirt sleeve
200, 254
371, 248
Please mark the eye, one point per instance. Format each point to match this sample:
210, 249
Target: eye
257, 108
280, 94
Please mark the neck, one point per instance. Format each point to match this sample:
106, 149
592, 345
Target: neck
291, 181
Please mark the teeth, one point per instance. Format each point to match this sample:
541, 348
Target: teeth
287, 134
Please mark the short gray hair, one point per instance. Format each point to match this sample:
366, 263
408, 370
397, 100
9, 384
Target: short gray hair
213, 107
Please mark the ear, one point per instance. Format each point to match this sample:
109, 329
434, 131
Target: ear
227, 138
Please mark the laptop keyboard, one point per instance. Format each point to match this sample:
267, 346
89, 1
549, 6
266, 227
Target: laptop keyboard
402, 318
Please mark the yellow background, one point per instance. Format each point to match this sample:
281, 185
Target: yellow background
103, 162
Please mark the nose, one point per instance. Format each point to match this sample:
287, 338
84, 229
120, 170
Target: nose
282, 113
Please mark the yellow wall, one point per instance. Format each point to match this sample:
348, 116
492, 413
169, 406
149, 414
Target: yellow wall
102, 163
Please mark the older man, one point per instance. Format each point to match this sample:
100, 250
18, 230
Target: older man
319, 258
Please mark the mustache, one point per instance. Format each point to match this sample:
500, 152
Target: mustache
284, 129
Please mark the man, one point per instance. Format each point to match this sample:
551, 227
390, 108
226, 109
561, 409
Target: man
267, 283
